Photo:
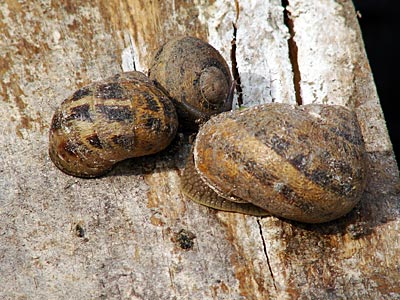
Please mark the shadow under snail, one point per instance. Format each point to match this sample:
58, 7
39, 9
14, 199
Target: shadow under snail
304, 163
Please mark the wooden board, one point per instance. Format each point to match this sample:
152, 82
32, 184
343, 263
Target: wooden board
131, 234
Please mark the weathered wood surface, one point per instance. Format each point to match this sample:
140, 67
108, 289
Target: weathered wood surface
132, 235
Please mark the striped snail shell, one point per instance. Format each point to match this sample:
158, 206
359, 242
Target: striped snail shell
196, 77
303, 163
108, 121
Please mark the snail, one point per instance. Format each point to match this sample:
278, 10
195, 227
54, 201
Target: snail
120, 117
196, 77
303, 163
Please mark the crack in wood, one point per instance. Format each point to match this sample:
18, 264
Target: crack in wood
266, 253
293, 52
235, 69
128, 55
131, 45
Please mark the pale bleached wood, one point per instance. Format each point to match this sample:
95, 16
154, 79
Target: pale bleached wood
121, 236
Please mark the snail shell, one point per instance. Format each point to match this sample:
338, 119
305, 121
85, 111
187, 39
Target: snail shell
304, 163
105, 122
196, 77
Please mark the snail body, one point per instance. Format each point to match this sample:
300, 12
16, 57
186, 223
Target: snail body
108, 121
303, 163
196, 77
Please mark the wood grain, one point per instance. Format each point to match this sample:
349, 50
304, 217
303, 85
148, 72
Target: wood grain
132, 235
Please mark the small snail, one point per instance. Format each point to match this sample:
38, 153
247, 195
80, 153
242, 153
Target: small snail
303, 163
196, 77
105, 122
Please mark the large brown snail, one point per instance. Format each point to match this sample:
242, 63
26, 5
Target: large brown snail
303, 163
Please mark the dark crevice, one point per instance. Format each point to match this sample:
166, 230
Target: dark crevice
132, 49
235, 69
293, 51
266, 253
